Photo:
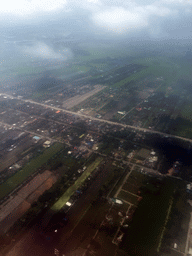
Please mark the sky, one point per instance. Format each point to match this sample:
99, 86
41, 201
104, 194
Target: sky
162, 18
132, 19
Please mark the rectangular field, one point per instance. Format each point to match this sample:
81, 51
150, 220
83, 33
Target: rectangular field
130, 187
128, 197
137, 179
143, 153
147, 229
72, 102
28, 169
30, 187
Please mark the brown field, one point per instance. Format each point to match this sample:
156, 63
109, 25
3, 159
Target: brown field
33, 184
14, 216
131, 187
143, 153
6, 209
125, 195
45, 186
15, 207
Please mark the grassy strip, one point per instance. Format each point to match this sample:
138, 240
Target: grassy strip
29, 169
166, 221
136, 76
66, 196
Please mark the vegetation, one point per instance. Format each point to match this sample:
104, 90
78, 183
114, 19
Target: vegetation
177, 224
66, 196
29, 169
147, 229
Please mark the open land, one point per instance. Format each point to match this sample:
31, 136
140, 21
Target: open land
21, 201
28, 170
115, 141
71, 102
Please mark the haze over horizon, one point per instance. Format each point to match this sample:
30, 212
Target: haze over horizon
35, 30
159, 19
96, 104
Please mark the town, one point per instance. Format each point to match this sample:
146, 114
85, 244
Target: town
95, 146
55, 161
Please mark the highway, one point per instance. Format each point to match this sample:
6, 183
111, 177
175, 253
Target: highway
97, 119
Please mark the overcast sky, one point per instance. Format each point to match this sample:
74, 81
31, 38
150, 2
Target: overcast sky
162, 18
46, 22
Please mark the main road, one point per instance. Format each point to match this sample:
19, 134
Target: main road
96, 119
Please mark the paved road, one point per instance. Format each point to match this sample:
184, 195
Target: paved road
96, 119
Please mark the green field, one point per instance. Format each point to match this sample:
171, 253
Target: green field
102, 51
23, 70
147, 229
186, 111
131, 187
28, 169
170, 70
82, 69
135, 77
66, 196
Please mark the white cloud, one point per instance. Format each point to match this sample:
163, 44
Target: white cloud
93, 1
26, 7
132, 17
119, 18
157, 10
42, 50
114, 15
90, 5
183, 2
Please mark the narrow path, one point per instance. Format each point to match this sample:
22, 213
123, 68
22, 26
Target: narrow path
126, 178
